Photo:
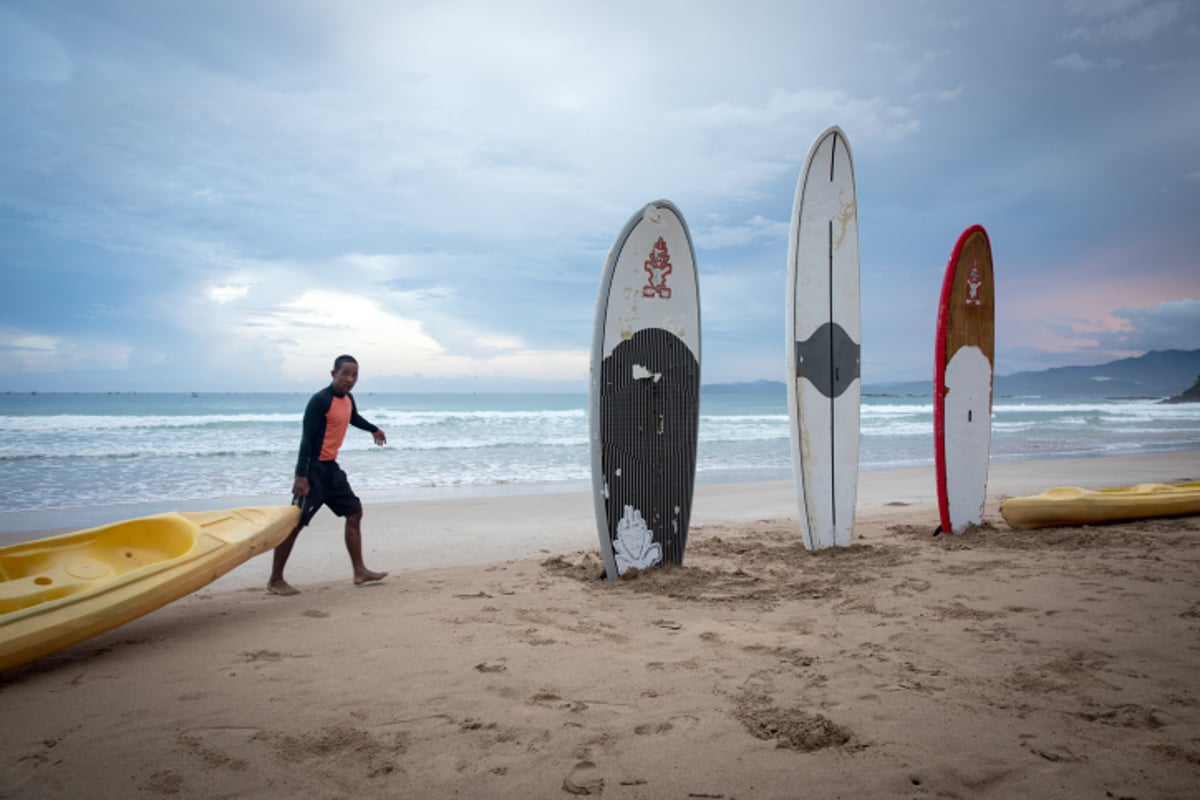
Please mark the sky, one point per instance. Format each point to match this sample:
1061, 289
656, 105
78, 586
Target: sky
223, 196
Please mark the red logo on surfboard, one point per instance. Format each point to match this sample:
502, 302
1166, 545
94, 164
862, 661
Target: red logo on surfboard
658, 266
974, 282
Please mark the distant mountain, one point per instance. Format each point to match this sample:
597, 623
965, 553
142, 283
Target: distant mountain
1157, 374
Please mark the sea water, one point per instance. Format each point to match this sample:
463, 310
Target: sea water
82, 453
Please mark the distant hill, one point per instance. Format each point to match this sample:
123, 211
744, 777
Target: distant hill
1157, 374
1190, 395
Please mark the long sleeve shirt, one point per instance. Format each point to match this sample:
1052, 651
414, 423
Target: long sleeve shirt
326, 418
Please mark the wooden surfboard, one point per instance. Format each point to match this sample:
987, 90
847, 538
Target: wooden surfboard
824, 331
962, 381
645, 392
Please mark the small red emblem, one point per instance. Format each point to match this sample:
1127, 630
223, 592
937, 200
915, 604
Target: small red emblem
974, 281
658, 265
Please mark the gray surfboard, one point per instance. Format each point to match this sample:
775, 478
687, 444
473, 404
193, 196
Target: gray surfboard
645, 392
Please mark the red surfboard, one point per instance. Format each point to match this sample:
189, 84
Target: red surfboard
963, 369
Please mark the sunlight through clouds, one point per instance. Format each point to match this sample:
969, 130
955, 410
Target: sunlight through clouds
227, 294
320, 324
310, 330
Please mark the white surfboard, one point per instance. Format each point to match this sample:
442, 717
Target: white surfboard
645, 392
824, 332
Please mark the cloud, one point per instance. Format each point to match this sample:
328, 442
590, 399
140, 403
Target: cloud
208, 194
500, 342
915, 69
227, 294
940, 96
717, 236
1123, 20
306, 330
1172, 325
873, 117
13, 342
29, 55
390, 265
1102, 8
318, 322
204, 186
23, 352
1075, 63
406, 134
1175, 65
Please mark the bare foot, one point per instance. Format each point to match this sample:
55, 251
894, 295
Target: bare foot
282, 588
366, 576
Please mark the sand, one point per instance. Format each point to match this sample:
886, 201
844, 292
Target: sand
1056, 663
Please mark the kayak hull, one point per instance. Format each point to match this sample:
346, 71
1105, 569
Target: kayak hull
62, 590
1070, 505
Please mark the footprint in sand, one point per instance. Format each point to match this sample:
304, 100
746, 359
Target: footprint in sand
164, 782
584, 779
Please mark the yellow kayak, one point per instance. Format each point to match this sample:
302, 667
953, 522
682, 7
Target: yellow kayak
1069, 505
62, 590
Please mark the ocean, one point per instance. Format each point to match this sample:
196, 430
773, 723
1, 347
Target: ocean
71, 460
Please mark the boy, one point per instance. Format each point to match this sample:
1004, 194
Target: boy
319, 479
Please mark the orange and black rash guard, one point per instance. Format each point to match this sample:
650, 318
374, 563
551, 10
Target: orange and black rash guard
326, 418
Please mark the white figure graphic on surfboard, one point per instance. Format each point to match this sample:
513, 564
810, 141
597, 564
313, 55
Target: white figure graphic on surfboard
974, 282
634, 545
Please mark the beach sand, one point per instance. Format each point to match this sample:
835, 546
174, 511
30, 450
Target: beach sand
1057, 663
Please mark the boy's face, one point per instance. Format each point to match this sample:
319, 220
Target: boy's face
344, 377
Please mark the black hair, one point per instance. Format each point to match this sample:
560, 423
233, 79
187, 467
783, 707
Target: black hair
337, 362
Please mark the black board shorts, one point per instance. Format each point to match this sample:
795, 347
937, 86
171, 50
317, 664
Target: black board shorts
328, 486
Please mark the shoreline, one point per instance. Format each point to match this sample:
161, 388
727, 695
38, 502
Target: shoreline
476, 529
24, 525
994, 664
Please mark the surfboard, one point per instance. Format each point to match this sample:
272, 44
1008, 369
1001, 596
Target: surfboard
964, 355
644, 405
824, 331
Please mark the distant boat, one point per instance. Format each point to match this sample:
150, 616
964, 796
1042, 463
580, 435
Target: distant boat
59, 591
